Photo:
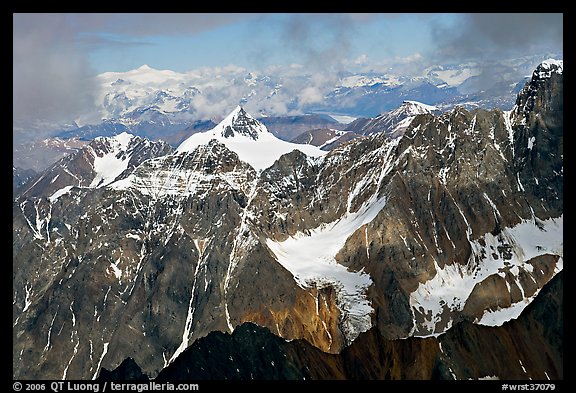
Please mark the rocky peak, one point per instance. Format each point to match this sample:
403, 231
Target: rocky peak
548, 67
239, 122
121, 143
214, 157
544, 86
211, 166
538, 129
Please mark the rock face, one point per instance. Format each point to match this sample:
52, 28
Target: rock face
289, 127
528, 347
39, 155
460, 219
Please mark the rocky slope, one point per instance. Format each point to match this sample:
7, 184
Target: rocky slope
530, 347
459, 219
290, 127
101, 162
392, 124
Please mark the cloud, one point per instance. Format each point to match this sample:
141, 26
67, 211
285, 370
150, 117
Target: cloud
319, 46
53, 82
486, 36
52, 79
224, 88
487, 39
362, 59
320, 41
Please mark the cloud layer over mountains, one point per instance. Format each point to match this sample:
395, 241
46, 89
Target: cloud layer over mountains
54, 76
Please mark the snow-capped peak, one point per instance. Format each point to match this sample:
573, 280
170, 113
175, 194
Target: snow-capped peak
123, 139
118, 142
548, 62
248, 138
240, 123
416, 108
549, 66
401, 117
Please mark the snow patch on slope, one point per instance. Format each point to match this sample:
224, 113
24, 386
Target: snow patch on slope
337, 135
452, 285
312, 260
57, 194
111, 165
498, 317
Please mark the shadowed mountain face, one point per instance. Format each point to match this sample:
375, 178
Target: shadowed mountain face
530, 347
289, 127
20, 177
138, 250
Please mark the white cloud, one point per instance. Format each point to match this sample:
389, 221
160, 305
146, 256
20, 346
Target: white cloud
310, 95
362, 59
52, 79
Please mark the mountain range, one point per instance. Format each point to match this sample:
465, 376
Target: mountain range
171, 106
131, 248
161, 96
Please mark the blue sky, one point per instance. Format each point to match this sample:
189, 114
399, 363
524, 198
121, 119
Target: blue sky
256, 41
57, 56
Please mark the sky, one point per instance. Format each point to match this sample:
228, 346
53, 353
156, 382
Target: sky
57, 56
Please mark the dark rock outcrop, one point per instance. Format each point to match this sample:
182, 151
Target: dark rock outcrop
128, 370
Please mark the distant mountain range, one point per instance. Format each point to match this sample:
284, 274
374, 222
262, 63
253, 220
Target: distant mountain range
171, 106
166, 97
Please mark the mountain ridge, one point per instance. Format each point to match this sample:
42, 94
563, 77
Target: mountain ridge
189, 242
